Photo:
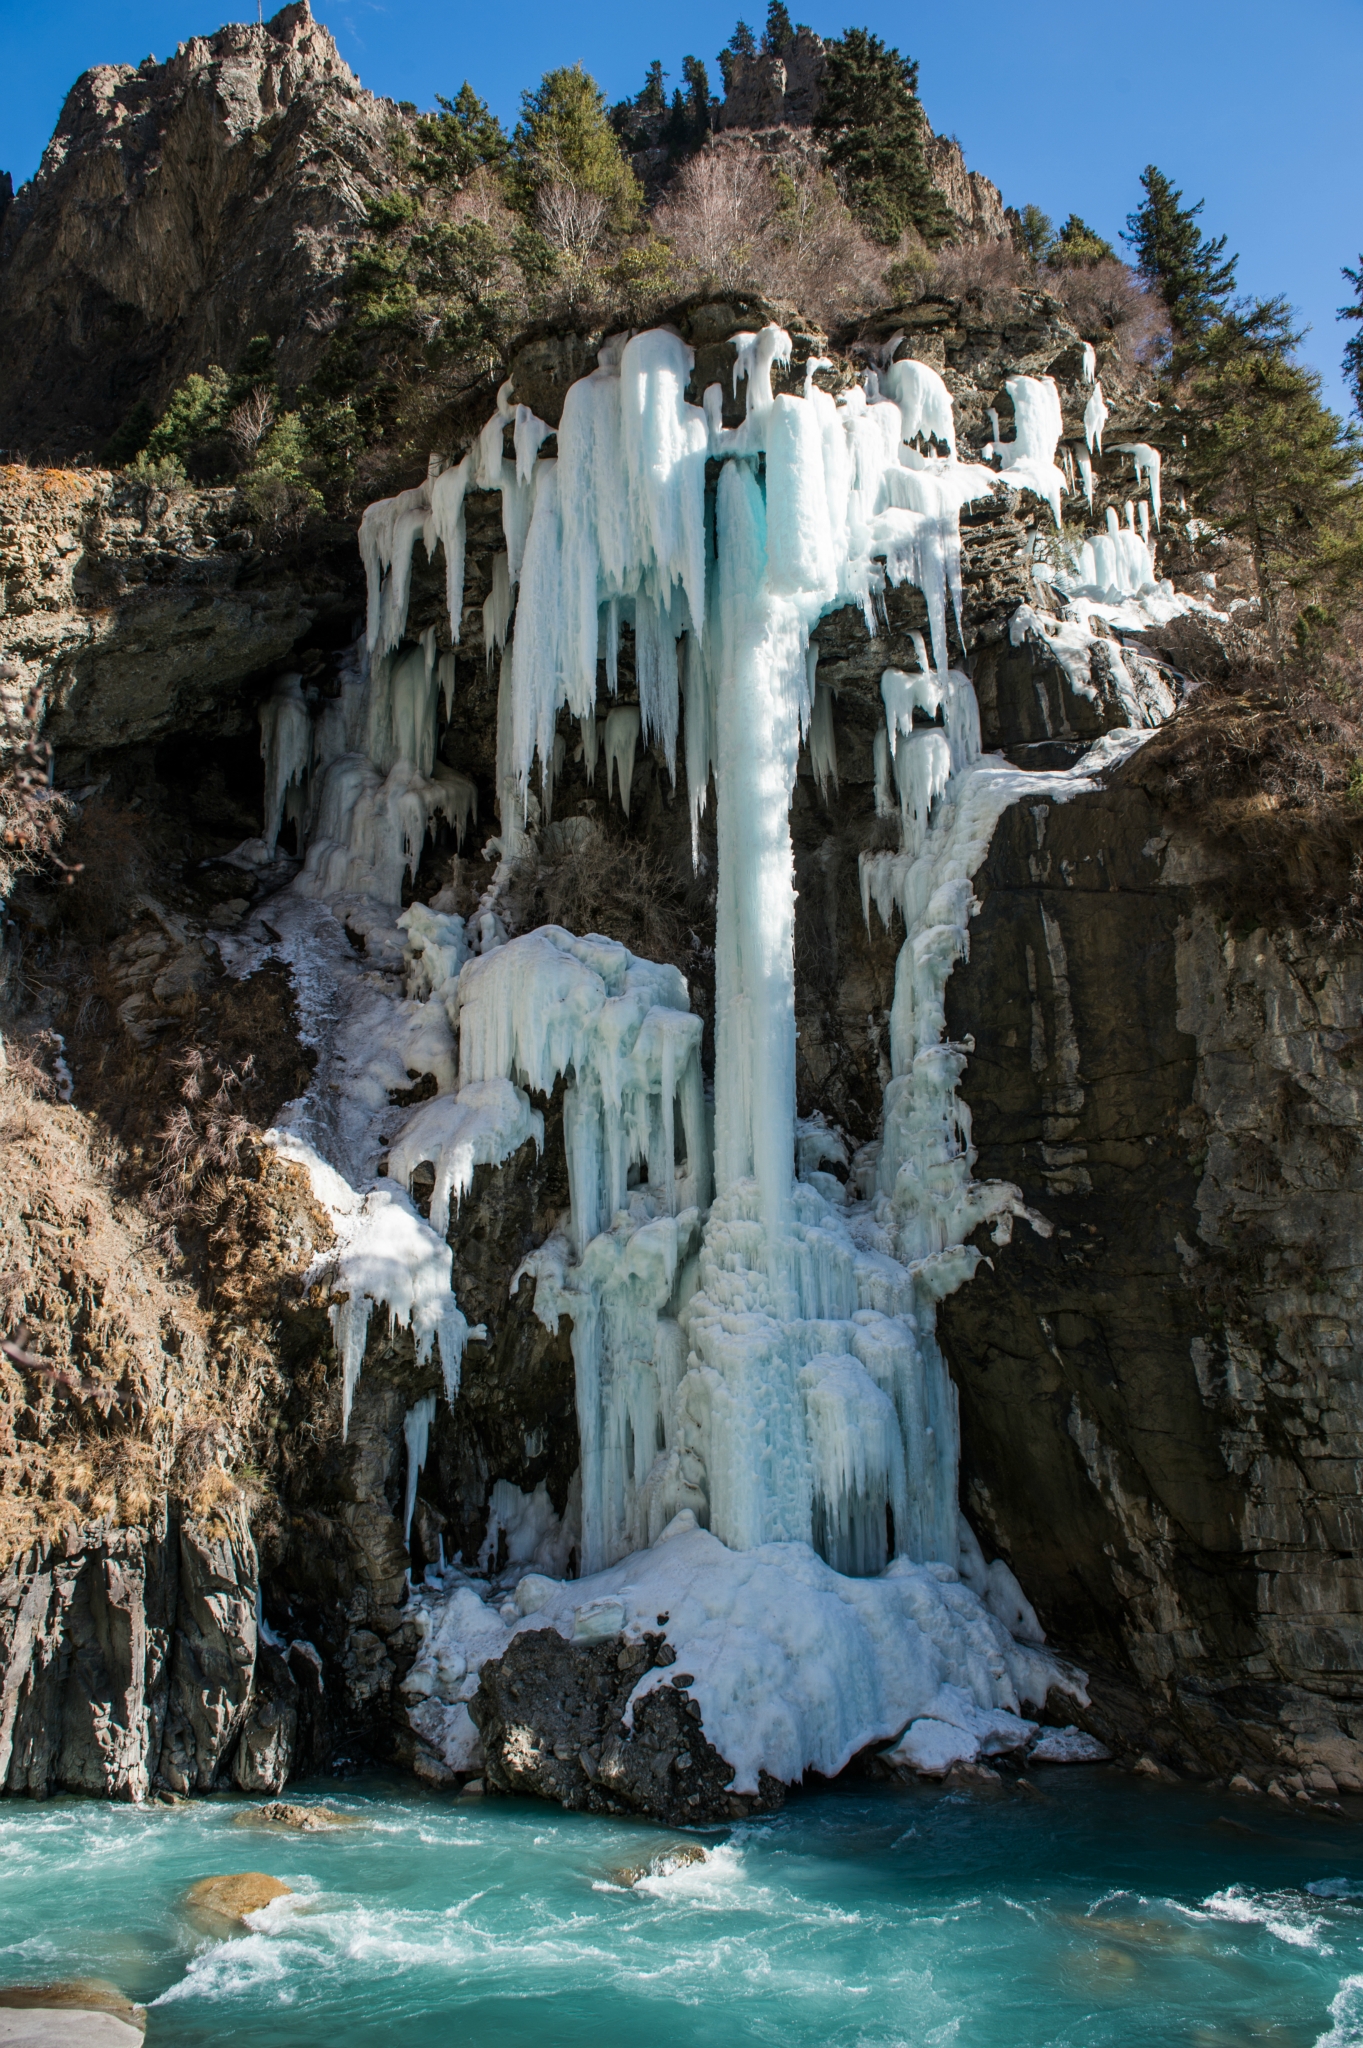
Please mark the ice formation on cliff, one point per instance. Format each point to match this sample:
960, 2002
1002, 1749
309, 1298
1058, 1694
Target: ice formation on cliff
757, 1374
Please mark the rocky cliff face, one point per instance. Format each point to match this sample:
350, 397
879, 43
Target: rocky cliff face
180, 209
140, 621
1159, 1402
128, 613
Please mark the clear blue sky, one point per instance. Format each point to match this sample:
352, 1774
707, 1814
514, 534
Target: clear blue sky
1257, 107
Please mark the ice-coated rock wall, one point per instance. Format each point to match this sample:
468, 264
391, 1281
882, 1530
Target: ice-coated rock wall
753, 1340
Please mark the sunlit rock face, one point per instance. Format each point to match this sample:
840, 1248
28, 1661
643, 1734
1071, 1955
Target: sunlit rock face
180, 209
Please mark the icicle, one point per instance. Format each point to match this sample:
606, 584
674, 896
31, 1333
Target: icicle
551, 767
1029, 458
487, 1121
664, 443
591, 745
1088, 369
1095, 418
1085, 462
823, 744
754, 359
622, 738
655, 670
416, 1428
445, 524
486, 456
529, 437
612, 648
924, 401
286, 749
497, 609
447, 682
699, 736
1147, 461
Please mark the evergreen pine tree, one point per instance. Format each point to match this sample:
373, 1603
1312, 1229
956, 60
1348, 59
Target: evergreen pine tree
1036, 230
1353, 350
1077, 246
697, 96
565, 138
1191, 273
677, 132
742, 43
779, 32
871, 126
1273, 466
653, 98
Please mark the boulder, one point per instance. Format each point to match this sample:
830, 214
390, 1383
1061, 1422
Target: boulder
228, 1899
552, 1718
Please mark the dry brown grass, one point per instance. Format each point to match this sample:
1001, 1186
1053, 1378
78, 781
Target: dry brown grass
618, 887
1268, 769
33, 816
204, 1136
103, 1348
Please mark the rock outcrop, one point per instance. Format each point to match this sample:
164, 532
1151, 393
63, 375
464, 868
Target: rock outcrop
128, 1651
1160, 1402
556, 1723
131, 612
768, 91
975, 202
180, 209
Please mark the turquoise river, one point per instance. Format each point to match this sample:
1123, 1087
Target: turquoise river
1091, 1911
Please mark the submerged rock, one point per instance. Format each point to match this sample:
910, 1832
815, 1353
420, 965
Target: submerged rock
302, 1820
233, 1896
677, 1856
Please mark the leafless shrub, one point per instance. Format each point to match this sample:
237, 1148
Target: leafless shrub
714, 215
249, 423
1107, 302
483, 198
813, 253
736, 220
983, 274
35, 1062
617, 887
571, 220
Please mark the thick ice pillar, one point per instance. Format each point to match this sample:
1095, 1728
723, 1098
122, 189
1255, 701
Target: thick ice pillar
760, 662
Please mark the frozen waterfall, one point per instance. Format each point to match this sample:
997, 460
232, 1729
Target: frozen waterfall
754, 1347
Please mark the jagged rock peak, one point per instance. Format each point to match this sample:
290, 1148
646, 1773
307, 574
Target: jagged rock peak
254, 69
769, 92
181, 208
